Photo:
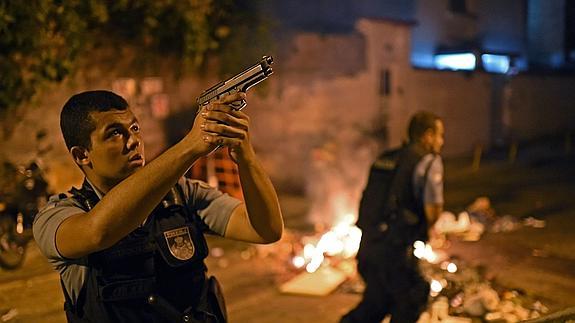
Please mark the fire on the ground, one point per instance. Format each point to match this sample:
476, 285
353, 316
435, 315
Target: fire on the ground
457, 291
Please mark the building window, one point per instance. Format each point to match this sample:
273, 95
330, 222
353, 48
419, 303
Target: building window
385, 83
495, 63
455, 61
458, 6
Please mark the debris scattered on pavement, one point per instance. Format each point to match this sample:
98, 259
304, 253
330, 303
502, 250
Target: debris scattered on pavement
506, 223
469, 225
470, 295
469, 229
7, 315
318, 283
533, 222
320, 263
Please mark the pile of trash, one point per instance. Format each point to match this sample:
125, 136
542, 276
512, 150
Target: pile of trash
478, 217
320, 263
460, 292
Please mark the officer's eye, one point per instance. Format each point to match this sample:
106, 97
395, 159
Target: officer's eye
114, 133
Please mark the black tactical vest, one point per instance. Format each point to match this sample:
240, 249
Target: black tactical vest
155, 274
390, 211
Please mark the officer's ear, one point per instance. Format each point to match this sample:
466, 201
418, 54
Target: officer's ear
81, 155
429, 133
427, 137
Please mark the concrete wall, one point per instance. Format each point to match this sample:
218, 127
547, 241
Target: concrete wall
546, 32
461, 99
541, 105
531, 106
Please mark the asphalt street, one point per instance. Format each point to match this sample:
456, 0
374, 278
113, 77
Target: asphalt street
536, 261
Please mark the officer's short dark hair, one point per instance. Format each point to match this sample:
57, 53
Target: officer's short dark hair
420, 123
75, 121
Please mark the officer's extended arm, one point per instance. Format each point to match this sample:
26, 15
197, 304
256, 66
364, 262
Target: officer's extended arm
259, 220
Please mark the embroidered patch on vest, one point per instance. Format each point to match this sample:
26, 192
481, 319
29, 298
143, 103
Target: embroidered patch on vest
180, 243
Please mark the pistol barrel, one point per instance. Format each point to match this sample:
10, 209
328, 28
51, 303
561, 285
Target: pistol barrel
241, 82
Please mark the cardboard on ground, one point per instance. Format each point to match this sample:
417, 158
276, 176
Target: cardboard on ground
319, 283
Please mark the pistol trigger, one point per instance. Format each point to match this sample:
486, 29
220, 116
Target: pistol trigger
238, 105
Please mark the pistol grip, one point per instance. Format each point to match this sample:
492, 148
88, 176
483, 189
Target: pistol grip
238, 105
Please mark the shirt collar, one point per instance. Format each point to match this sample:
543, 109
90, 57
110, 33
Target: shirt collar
97, 191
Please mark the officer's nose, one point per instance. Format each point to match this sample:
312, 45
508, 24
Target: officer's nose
133, 142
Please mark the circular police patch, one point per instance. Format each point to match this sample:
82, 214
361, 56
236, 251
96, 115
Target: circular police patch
180, 243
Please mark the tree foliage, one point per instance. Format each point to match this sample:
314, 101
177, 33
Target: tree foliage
41, 40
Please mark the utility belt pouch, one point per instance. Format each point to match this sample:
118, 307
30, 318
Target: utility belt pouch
126, 290
211, 307
216, 299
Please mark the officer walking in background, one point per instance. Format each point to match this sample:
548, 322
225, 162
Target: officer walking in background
129, 243
402, 200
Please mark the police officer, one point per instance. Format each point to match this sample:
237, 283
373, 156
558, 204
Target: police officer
129, 243
402, 200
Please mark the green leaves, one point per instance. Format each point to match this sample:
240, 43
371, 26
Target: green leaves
41, 40
38, 41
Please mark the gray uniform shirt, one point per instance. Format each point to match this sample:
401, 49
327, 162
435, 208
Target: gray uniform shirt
213, 206
433, 187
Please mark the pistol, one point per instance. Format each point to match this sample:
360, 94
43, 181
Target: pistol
241, 82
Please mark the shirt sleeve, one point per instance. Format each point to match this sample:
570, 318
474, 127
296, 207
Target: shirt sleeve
433, 186
72, 271
46, 224
213, 206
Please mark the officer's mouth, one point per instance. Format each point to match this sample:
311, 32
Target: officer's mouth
136, 160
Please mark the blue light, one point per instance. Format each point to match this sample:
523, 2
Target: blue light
521, 64
460, 61
556, 59
495, 63
422, 60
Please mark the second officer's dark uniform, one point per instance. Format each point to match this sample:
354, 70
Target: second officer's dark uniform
392, 218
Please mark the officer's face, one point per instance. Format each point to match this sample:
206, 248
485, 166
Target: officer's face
117, 149
437, 137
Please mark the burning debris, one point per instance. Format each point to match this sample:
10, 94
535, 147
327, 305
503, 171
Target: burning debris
340, 241
323, 262
458, 291
327, 259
